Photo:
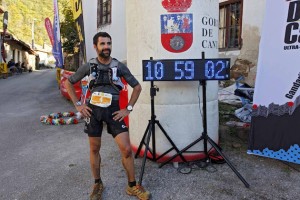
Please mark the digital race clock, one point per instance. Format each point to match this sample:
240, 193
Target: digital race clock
186, 69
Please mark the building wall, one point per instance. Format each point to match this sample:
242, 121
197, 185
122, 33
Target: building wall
251, 28
13, 52
90, 25
117, 29
252, 22
177, 103
251, 31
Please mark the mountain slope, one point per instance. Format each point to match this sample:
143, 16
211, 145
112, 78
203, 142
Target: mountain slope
22, 13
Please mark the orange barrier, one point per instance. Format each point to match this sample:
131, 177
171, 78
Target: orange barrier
64, 76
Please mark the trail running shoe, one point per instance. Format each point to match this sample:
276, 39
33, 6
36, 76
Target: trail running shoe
97, 192
139, 192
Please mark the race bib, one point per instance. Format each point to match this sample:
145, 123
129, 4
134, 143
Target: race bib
101, 99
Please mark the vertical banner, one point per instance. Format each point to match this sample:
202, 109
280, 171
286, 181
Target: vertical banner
276, 111
5, 22
49, 29
57, 50
78, 18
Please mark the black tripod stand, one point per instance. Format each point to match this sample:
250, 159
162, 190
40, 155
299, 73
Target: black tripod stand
150, 131
206, 139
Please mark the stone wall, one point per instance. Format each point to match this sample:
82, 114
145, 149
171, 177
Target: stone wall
244, 68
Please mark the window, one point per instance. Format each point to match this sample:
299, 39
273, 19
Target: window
103, 12
230, 26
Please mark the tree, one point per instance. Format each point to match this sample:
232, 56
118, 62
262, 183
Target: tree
21, 14
70, 38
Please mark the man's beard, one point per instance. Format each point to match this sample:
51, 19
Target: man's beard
103, 55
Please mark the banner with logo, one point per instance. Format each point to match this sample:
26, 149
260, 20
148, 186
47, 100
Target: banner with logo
5, 22
49, 28
78, 18
57, 50
276, 111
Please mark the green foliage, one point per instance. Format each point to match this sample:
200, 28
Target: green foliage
21, 14
68, 30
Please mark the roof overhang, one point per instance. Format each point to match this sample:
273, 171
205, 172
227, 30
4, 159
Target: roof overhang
11, 39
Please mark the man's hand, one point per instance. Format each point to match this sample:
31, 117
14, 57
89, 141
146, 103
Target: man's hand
120, 114
84, 110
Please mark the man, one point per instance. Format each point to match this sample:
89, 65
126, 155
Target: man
104, 106
12, 66
18, 66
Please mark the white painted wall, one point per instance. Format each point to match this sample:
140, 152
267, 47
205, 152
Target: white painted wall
251, 28
176, 103
251, 7
13, 50
117, 29
90, 26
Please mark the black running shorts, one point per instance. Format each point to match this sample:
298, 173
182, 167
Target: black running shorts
99, 115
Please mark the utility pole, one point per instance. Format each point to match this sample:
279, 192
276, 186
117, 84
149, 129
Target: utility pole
32, 33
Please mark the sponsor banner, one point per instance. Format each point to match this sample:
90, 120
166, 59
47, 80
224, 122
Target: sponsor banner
57, 50
276, 113
5, 22
48, 26
78, 18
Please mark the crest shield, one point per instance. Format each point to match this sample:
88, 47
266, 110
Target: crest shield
176, 31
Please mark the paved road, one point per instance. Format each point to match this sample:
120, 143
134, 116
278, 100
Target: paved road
44, 162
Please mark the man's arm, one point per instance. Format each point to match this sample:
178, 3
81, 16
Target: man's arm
121, 114
71, 91
135, 94
83, 109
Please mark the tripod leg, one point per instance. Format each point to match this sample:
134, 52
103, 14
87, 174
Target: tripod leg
227, 161
145, 156
143, 140
172, 143
180, 152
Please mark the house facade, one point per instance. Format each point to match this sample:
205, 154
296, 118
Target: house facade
14, 48
46, 58
109, 16
19, 51
240, 26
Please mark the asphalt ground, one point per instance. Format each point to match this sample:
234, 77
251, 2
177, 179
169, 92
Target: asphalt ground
46, 162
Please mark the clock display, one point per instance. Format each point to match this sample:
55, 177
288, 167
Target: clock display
186, 69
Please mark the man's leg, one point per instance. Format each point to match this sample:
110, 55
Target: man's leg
123, 142
95, 160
